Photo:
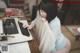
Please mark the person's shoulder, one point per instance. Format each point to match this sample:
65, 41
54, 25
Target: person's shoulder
56, 18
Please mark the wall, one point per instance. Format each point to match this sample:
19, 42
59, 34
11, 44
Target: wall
31, 3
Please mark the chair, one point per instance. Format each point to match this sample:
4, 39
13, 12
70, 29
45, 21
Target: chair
34, 12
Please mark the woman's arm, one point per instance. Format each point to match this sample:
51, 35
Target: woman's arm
32, 23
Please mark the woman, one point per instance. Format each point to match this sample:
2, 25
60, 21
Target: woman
48, 11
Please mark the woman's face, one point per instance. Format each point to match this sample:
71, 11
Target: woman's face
43, 14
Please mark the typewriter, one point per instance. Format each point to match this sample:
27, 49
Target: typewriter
10, 28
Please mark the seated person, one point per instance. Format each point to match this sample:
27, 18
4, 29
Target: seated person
48, 11
2, 4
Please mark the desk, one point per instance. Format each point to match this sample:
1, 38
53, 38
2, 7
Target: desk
19, 43
17, 48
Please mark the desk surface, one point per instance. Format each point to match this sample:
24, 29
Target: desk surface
17, 48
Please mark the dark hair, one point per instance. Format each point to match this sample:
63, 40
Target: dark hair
50, 9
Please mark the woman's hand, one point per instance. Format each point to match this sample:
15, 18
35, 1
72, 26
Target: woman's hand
28, 26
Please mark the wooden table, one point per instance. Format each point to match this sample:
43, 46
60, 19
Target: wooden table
74, 30
75, 44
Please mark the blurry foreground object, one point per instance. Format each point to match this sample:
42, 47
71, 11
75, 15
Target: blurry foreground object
2, 4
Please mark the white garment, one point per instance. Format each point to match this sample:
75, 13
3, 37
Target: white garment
45, 35
2, 4
49, 34
55, 26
